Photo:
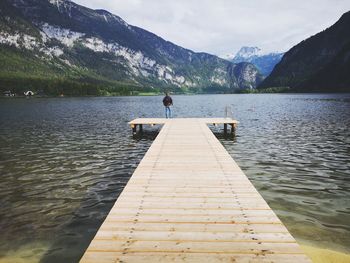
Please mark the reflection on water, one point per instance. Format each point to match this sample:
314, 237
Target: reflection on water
148, 134
64, 161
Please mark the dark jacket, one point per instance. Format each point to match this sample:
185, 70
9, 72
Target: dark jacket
167, 101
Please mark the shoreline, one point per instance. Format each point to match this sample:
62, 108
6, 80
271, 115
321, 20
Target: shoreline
324, 255
173, 94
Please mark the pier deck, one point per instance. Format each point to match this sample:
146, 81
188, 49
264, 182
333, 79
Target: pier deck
188, 201
160, 121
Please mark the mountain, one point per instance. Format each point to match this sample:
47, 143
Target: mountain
319, 63
247, 53
57, 46
265, 62
246, 75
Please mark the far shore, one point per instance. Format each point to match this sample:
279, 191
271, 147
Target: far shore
146, 94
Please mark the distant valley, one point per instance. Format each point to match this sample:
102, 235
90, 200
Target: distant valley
265, 62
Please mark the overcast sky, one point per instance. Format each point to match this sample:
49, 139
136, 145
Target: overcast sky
222, 26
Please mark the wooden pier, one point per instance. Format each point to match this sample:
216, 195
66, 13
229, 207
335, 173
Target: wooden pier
188, 201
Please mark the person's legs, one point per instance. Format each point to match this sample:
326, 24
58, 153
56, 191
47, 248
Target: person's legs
167, 112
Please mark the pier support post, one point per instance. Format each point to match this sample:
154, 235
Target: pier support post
233, 128
140, 129
133, 127
225, 128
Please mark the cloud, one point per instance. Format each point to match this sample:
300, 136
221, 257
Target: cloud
223, 26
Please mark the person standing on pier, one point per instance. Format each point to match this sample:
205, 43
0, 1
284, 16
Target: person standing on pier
167, 101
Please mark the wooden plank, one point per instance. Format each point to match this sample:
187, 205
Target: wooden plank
228, 219
194, 246
217, 206
193, 236
188, 201
132, 257
181, 211
192, 195
146, 201
192, 227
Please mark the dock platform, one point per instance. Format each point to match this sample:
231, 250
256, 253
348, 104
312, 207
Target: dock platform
160, 121
188, 201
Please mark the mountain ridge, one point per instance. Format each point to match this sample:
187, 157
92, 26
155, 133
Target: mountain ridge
82, 44
318, 63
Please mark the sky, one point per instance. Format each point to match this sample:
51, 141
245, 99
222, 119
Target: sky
222, 27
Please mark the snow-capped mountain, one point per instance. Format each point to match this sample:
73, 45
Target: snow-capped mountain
265, 62
247, 53
60, 41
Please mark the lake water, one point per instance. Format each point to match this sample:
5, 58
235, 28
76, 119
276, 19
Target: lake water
64, 161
